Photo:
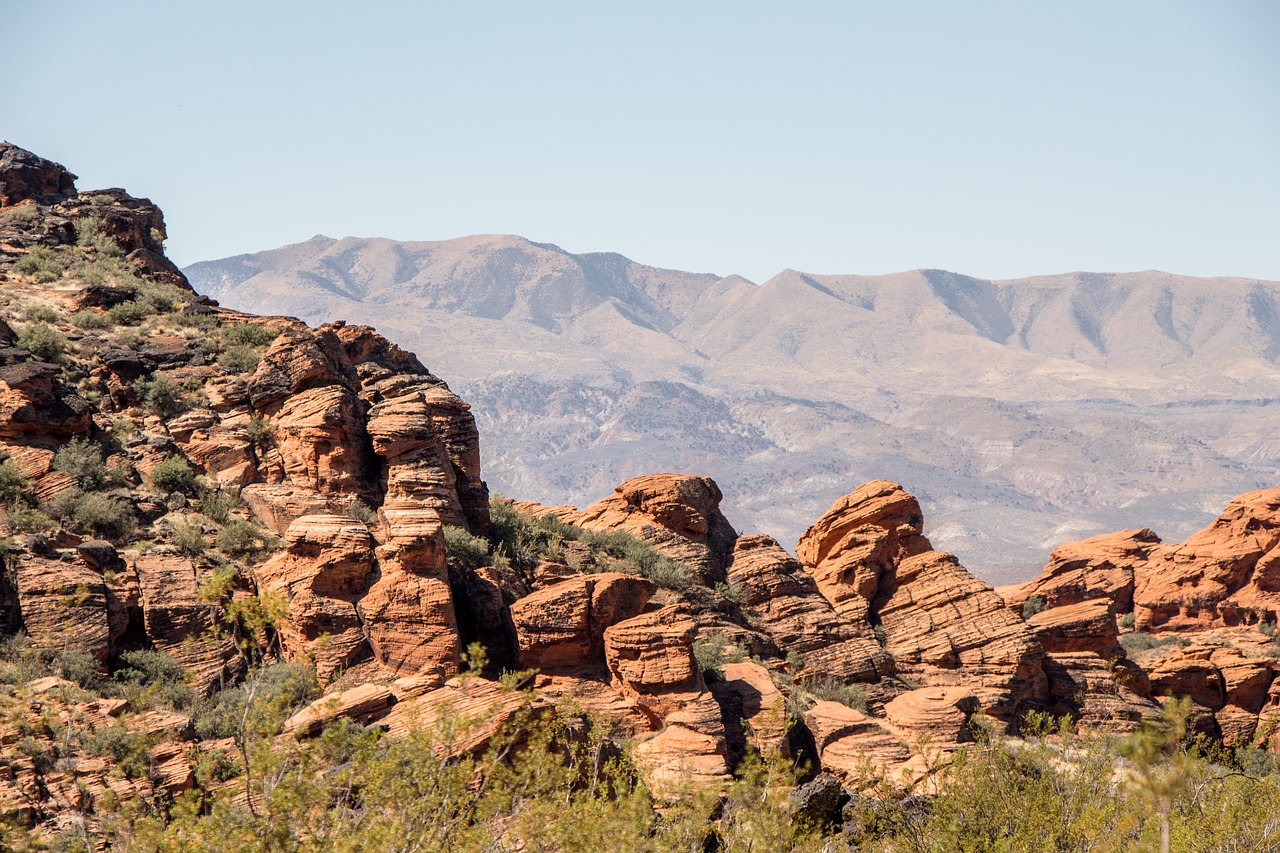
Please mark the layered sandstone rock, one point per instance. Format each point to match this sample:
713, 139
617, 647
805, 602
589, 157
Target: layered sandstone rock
943, 626
561, 627
181, 621
679, 515
408, 613
1086, 626
798, 618
857, 749
1098, 567
939, 713
326, 568
1099, 693
650, 658
1227, 574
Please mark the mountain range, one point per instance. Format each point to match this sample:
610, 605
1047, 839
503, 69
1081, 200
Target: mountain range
1021, 412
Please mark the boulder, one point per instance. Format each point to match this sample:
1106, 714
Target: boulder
408, 613
1086, 626
63, 605
1226, 574
359, 703
24, 176
326, 568
560, 628
679, 515
798, 618
1098, 567
940, 713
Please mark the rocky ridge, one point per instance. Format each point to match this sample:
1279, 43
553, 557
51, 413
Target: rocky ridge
225, 492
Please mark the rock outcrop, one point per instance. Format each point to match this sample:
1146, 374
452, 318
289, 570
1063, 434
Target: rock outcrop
942, 626
678, 515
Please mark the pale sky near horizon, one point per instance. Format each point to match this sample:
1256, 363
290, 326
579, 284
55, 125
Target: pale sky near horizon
994, 139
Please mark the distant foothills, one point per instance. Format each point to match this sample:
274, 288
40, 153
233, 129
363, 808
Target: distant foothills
1021, 412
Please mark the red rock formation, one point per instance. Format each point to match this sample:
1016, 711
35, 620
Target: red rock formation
326, 568
560, 628
798, 618
1227, 574
679, 515
1087, 626
943, 626
408, 613
1098, 567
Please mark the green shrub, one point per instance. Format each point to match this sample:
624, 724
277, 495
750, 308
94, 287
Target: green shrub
27, 519
89, 320
90, 232
239, 359
81, 667
464, 550
159, 396
260, 432
42, 341
1033, 605
129, 313
280, 688
248, 334
1126, 621
830, 689
174, 474
41, 314
360, 511
127, 749
217, 505
671, 574
12, 482
244, 539
714, 650
1141, 641
21, 215
151, 678
82, 459
42, 264
188, 538
104, 516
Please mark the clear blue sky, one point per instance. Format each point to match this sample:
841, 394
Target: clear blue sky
996, 139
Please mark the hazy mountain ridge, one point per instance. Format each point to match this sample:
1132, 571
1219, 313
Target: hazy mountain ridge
1022, 412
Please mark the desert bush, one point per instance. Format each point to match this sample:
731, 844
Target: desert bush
159, 396
464, 550
127, 749
42, 264
1141, 641
41, 314
90, 232
831, 689
711, 651
276, 690
1033, 605
28, 519
81, 667
1126, 621
248, 334
42, 341
104, 516
174, 474
82, 459
21, 662
360, 511
129, 313
217, 505
150, 678
90, 320
239, 359
12, 482
21, 215
188, 538
260, 432
244, 539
